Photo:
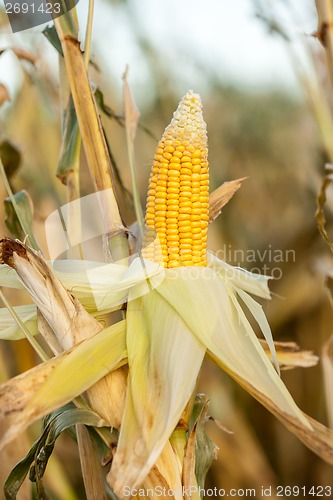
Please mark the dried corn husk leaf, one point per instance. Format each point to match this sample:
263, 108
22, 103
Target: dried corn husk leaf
64, 314
290, 355
67, 319
244, 282
98, 286
166, 473
164, 360
221, 196
221, 325
42, 389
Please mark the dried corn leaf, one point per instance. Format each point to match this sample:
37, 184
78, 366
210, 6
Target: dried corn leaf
315, 435
290, 355
90, 124
93, 477
221, 196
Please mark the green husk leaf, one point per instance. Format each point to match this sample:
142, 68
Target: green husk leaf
205, 448
39, 391
71, 143
99, 96
22, 209
164, 360
37, 458
19, 217
51, 34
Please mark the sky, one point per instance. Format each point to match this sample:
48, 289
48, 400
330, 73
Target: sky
222, 36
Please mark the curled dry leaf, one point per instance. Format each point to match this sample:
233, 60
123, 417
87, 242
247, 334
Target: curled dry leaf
317, 437
290, 355
221, 196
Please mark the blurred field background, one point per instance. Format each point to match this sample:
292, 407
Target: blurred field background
261, 126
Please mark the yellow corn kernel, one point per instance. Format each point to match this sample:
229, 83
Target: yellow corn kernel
177, 205
185, 158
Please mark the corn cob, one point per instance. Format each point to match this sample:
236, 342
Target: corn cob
177, 210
